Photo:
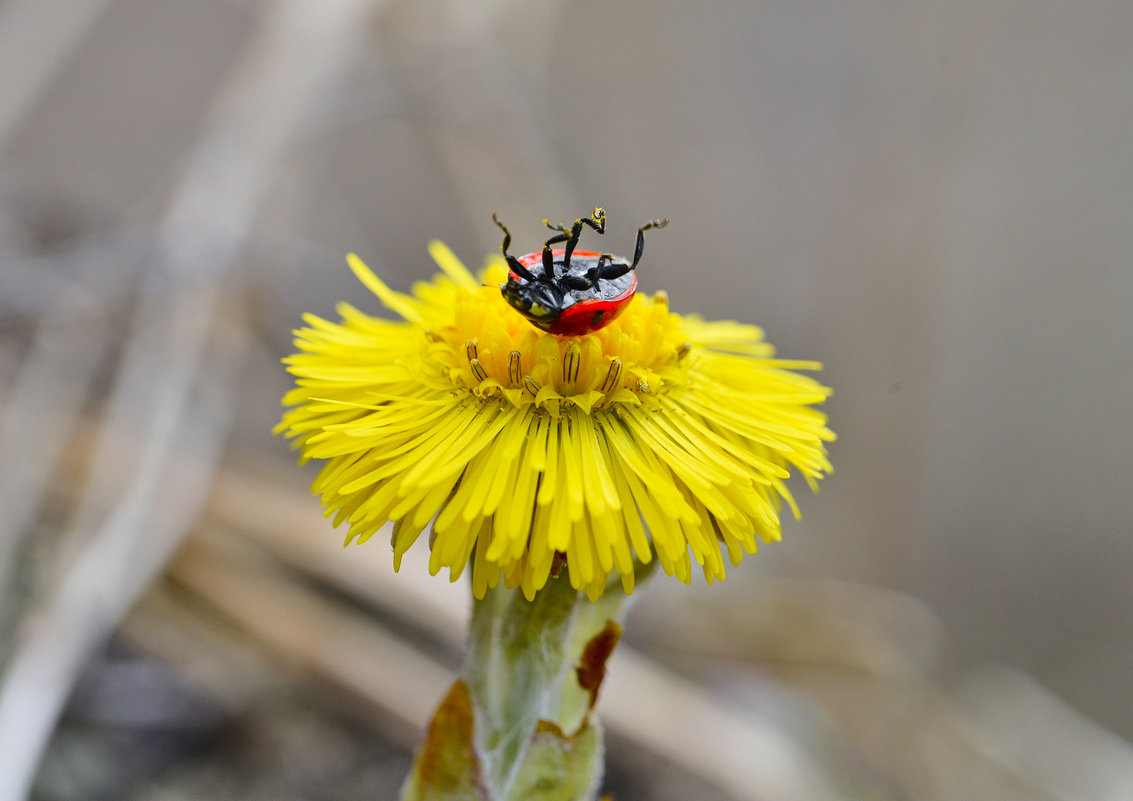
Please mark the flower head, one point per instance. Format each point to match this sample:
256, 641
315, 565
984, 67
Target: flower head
658, 436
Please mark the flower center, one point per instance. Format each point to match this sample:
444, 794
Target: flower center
488, 350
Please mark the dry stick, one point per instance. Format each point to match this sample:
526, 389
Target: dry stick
641, 700
36, 39
43, 408
46, 398
345, 645
300, 48
39, 418
1000, 723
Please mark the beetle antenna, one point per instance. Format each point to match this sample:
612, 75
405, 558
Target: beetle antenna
512, 262
641, 238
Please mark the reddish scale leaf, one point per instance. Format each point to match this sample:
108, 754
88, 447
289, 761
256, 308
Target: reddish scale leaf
446, 767
591, 668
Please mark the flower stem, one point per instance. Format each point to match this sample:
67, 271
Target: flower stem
517, 657
519, 725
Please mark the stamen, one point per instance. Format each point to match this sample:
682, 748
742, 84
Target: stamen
433, 336
572, 360
513, 373
530, 385
683, 350
478, 370
471, 349
613, 376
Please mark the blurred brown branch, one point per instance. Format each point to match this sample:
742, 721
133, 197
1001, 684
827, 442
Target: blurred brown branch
169, 410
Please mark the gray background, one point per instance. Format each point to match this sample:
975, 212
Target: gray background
935, 199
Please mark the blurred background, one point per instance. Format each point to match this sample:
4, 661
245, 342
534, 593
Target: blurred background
935, 199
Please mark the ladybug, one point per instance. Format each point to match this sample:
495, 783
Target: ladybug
568, 292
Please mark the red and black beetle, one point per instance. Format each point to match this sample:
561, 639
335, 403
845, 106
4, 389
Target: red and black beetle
568, 292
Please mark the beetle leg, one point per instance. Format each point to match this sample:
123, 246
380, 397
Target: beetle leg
563, 235
517, 268
548, 259
507, 234
596, 220
562, 229
579, 282
606, 268
512, 262
609, 269
641, 239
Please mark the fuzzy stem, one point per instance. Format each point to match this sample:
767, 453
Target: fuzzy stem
519, 725
518, 653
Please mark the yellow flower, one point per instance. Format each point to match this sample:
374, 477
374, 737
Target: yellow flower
659, 435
